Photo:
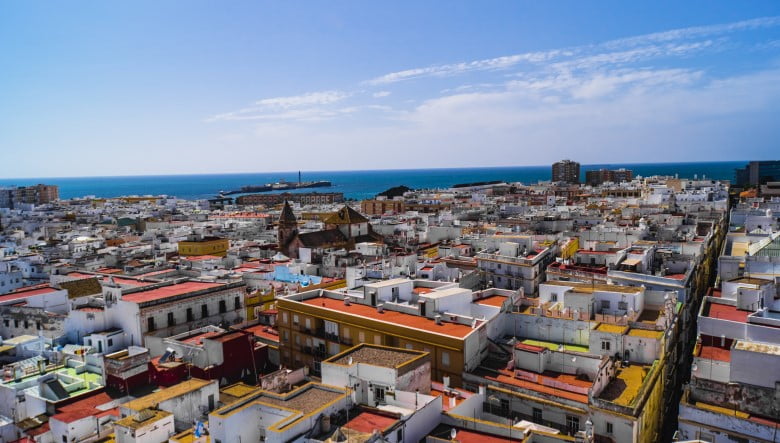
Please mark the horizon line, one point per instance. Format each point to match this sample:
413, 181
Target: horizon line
582, 165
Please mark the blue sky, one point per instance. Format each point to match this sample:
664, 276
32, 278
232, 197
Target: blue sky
123, 88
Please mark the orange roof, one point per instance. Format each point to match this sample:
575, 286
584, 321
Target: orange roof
367, 422
397, 318
493, 300
543, 389
169, 291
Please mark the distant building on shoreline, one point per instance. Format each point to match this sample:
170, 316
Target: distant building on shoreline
566, 171
757, 173
304, 198
39, 194
597, 177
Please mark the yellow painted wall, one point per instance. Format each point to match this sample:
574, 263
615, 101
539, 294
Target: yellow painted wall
570, 247
216, 247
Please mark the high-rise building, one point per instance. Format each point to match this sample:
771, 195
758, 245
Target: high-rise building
566, 171
758, 173
597, 177
39, 194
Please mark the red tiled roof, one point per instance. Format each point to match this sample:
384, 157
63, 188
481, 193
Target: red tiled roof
169, 291
394, 317
715, 353
86, 407
198, 339
367, 422
265, 332
508, 379
28, 291
493, 300
727, 312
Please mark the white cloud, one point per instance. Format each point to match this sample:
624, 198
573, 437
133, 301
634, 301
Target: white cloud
632, 49
380, 94
311, 98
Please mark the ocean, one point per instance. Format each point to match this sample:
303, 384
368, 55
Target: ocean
354, 184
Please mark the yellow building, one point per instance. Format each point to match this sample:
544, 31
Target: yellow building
317, 324
206, 246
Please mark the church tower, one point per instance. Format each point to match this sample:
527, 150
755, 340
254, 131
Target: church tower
287, 228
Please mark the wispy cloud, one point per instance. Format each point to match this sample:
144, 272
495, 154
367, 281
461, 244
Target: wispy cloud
528, 86
631, 49
298, 107
311, 98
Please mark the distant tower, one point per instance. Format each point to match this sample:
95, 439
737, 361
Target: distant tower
299, 177
287, 229
566, 171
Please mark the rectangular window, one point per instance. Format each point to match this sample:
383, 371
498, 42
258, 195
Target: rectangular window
445, 358
296, 320
26, 324
204, 311
537, 416
331, 328
6, 323
623, 306
572, 424
609, 428
361, 337
237, 303
284, 317
38, 325
605, 345
553, 297
222, 307
171, 320
345, 331
150, 324
111, 342
605, 305
190, 316
308, 323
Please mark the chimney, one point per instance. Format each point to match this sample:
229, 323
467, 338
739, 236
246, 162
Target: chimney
437, 317
380, 308
346, 301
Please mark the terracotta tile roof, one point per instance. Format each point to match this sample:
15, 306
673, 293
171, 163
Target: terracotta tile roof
345, 216
368, 421
169, 291
393, 317
82, 287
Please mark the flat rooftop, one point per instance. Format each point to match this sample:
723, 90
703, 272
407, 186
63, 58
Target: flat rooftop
725, 312
550, 383
305, 399
136, 421
493, 300
393, 317
590, 288
368, 421
168, 291
623, 389
155, 398
376, 355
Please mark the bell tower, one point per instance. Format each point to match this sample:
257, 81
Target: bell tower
287, 228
